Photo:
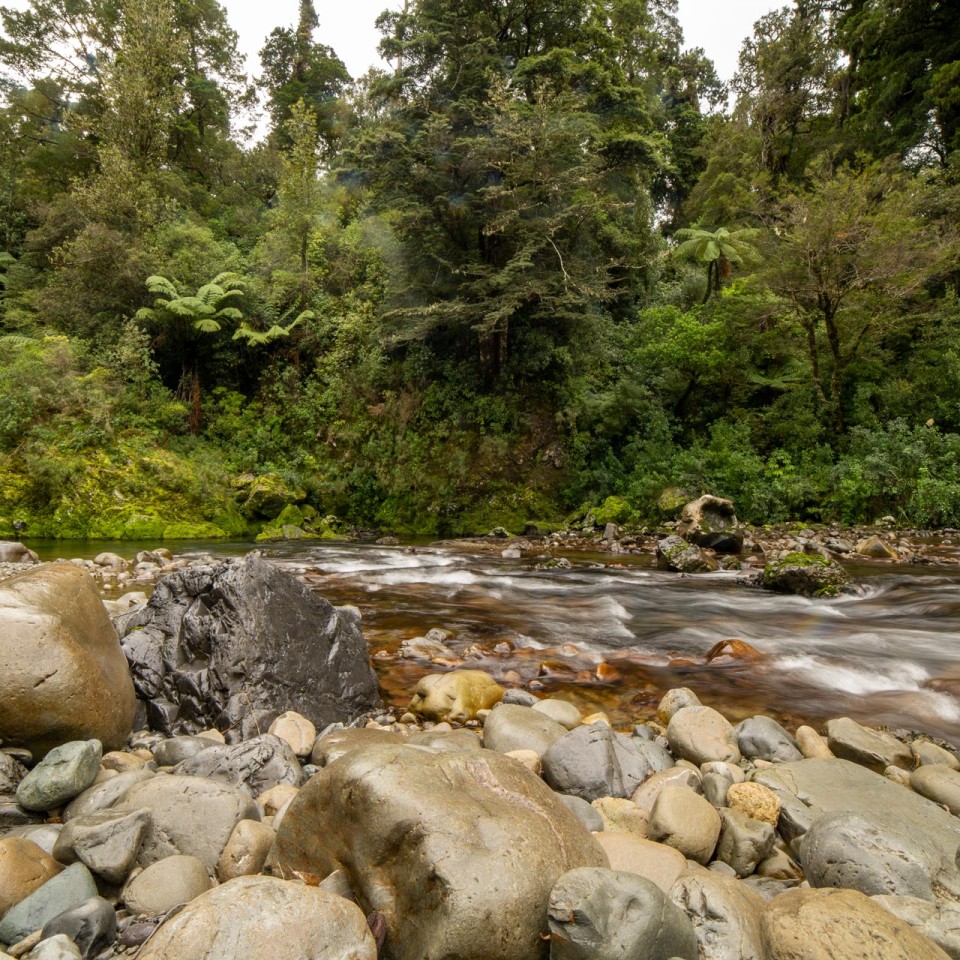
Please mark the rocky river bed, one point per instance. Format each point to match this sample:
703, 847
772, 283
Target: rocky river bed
573, 760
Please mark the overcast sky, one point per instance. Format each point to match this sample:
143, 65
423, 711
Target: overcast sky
348, 27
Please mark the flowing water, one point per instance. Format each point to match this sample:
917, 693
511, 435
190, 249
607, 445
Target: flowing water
612, 633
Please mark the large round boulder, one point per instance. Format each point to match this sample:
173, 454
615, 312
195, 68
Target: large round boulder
63, 675
254, 918
458, 851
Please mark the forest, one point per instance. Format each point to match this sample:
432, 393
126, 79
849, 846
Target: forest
545, 268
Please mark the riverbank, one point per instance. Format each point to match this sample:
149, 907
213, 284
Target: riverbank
404, 833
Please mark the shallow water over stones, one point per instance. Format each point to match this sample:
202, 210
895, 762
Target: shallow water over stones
613, 633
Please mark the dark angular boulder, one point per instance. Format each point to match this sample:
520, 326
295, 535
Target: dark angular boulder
235, 643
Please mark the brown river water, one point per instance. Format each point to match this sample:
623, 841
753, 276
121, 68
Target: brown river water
613, 633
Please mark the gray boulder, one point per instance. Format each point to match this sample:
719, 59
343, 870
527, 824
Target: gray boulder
677, 556
236, 643
594, 761
11, 773
64, 773
253, 766
63, 676
12, 551
251, 918
585, 812
67, 889
870, 748
107, 842
744, 842
91, 925
702, 735
458, 851
940, 922
880, 853
102, 796
762, 738
188, 815
725, 914
168, 753
685, 821
598, 914
510, 727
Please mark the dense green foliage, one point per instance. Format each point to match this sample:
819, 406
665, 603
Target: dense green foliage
540, 263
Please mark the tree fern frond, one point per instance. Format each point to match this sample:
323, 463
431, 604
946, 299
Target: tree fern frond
207, 325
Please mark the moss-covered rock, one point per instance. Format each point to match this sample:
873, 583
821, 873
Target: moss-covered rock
290, 516
267, 495
804, 574
671, 502
678, 556
614, 510
193, 531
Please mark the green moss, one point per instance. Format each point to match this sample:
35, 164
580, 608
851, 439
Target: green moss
804, 574
614, 510
193, 531
268, 494
290, 516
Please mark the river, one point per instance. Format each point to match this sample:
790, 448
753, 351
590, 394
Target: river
612, 633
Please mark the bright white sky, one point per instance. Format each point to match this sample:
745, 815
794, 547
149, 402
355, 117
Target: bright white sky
348, 27
717, 27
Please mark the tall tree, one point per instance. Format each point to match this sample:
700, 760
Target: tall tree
515, 154
297, 69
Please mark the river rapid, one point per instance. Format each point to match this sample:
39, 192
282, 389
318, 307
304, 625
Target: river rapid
613, 633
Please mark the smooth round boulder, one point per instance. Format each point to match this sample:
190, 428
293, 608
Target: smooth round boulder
625, 815
165, 885
253, 918
510, 727
246, 850
188, 815
594, 761
605, 915
657, 862
926, 752
725, 914
63, 676
64, 773
24, 867
839, 925
339, 742
174, 750
701, 734
103, 795
457, 851
939, 783
812, 745
60, 947
763, 738
455, 697
295, 730
685, 821
562, 711
674, 700
646, 794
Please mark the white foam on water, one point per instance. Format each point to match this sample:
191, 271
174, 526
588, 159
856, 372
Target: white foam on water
897, 675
